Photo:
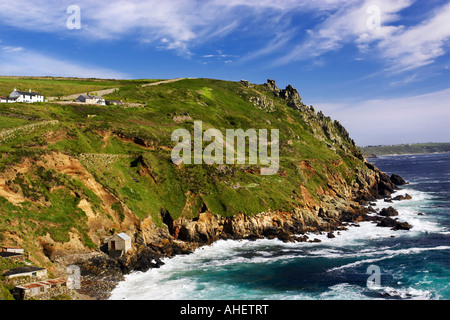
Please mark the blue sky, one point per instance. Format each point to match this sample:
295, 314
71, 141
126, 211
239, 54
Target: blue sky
380, 67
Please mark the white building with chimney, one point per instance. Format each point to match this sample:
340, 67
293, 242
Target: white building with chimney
26, 96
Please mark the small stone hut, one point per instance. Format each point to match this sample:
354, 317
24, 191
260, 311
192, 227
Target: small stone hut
119, 242
28, 271
41, 290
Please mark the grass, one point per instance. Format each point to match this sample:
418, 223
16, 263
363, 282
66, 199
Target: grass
58, 87
142, 175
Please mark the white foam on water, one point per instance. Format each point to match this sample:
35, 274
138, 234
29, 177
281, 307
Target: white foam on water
176, 279
344, 291
407, 293
408, 211
387, 254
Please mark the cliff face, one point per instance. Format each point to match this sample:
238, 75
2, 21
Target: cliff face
73, 175
339, 202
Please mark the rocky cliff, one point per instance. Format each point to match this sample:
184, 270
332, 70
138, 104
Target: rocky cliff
74, 175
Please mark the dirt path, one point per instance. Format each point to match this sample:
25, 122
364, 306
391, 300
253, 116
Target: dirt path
111, 90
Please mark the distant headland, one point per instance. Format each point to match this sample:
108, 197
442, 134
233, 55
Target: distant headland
401, 149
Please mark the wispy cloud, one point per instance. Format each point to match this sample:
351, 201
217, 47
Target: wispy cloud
175, 24
183, 25
400, 47
420, 45
346, 25
420, 118
22, 62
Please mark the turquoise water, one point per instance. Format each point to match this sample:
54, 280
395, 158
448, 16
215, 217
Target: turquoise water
413, 264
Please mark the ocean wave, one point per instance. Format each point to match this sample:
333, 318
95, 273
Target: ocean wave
407, 293
387, 254
188, 276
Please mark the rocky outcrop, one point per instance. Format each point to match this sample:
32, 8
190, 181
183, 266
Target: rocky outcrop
263, 103
388, 212
394, 224
209, 228
397, 180
402, 197
320, 125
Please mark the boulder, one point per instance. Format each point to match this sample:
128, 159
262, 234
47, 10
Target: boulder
402, 226
388, 212
402, 197
397, 180
387, 223
286, 236
394, 224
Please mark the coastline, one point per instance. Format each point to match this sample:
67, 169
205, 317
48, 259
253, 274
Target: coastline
405, 154
341, 207
102, 284
233, 254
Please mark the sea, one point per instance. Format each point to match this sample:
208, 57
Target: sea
363, 262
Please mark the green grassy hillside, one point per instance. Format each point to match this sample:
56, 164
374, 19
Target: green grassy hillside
70, 175
58, 87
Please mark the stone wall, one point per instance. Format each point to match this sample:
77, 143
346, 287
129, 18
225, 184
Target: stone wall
10, 134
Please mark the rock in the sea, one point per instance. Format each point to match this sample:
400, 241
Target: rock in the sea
286, 236
394, 224
388, 212
402, 197
397, 180
402, 226
387, 223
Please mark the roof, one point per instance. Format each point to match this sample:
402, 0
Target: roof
26, 93
88, 96
20, 270
122, 236
42, 283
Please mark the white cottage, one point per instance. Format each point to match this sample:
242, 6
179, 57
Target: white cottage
91, 99
119, 242
24, 96
4, 99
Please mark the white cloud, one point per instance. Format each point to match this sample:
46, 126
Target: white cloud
420, 118
18, 61
401, 48
177, 24
419, 45
348, 24
183, 24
